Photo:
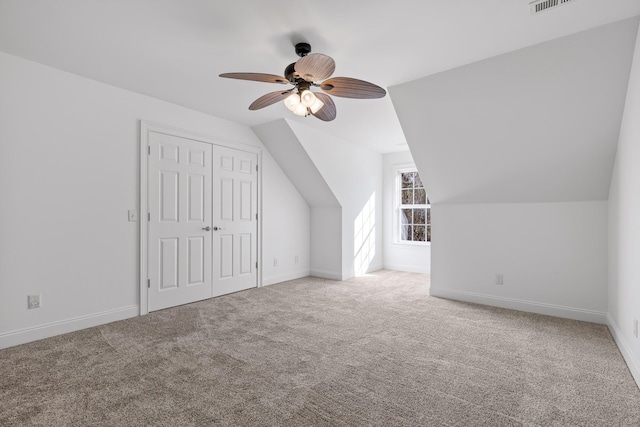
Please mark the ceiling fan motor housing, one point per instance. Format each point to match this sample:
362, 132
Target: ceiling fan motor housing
302, 50
290, 73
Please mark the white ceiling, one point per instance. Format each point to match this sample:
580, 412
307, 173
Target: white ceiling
175, 49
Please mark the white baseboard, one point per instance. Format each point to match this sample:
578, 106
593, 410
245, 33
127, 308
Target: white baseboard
408, 268
325, 274
522, 305
9, 339
375, 267
632, 361
266, 281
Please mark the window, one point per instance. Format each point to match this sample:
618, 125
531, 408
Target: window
414, 211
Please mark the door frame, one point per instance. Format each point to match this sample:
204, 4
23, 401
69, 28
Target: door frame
146, 127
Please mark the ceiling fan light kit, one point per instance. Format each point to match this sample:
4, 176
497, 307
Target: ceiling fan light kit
307, 98
305, 73
303, 104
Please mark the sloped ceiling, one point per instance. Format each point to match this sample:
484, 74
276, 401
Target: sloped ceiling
175, 49
284, 146
539, 124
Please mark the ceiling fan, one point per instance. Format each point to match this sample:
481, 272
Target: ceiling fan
304, 74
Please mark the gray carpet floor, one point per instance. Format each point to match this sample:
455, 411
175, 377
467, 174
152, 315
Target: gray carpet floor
375, 350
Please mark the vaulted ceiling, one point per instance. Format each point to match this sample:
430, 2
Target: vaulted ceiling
174, 50
540, 124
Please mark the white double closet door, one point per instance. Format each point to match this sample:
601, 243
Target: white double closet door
202, 220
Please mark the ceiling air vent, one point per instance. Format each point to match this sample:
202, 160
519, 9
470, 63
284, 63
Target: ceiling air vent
542, 5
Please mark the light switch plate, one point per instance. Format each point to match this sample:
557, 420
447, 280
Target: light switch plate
133, 215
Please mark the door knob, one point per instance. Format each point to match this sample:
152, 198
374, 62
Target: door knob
218, 228
207, 228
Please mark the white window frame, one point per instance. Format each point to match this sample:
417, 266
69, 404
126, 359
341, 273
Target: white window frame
398, 206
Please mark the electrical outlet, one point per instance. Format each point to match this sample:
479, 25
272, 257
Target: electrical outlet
33, 301
635, 328
275, 262
499, 279
296, 259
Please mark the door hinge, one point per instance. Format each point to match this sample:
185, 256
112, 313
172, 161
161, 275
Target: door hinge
256, 265
148, 216
148, 283
256, 216
149, 149
256, 168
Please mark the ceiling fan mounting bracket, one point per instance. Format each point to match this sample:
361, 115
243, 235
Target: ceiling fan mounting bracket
303, 49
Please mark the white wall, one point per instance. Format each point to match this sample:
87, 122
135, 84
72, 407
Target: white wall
624, 228
399, 256
553, 256
326, 238
354, 175
325, 211
517, 152
69, 166
286, 226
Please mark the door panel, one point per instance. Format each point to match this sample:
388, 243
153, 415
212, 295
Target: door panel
245, 200
235, 209
168, 263
226, 256
168, 196
179, 200
196, 260
196, 198
226, 199
245, 254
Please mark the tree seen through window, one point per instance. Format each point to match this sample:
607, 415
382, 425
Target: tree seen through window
415, 209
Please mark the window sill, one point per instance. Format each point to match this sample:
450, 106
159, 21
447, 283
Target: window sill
410, 244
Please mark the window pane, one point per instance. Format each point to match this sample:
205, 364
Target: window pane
414, 223
407, 197
405, 216
406, 232
407, 180
418, 181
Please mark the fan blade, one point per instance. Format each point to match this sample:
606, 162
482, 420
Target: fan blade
315, 67
257, 77
347, 87
328, 110
268, 99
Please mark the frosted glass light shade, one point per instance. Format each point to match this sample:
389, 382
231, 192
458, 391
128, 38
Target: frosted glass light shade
316, 106
300, 110
307, 98
292, 101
